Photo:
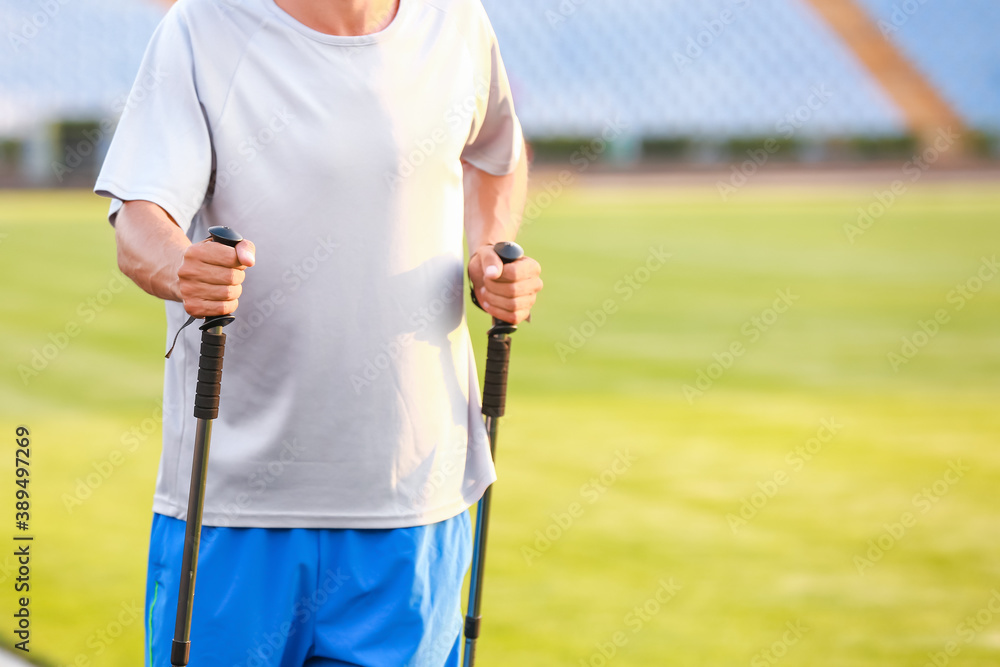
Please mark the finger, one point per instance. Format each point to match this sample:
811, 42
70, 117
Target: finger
511, 290
206, 292
210, 274
217, 254
201, 308
512, 316
509, 305
522, 269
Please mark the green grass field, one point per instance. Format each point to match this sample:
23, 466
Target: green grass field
618, 486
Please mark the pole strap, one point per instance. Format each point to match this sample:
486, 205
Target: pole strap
177, 335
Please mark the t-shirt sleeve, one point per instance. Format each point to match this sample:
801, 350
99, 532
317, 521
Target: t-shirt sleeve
496, 142
161, 150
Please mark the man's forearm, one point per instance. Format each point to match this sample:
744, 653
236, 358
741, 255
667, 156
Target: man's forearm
494, 205
150, 248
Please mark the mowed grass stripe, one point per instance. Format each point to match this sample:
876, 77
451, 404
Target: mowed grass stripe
664, 515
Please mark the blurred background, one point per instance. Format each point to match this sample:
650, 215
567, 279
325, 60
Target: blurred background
754, 419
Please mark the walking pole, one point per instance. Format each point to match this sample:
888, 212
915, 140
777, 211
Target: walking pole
494, 398
206, 408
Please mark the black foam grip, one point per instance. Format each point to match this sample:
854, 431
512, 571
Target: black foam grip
210, 350
210, 364
209, 375
205, 413
213, 339
209, 387
211, 402
495, 381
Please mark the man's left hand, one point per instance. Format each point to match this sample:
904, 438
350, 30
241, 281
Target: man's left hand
505, 291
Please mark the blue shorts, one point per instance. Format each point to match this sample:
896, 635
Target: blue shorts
312, 597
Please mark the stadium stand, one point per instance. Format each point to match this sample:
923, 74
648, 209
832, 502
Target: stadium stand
717, 68
69, 59
67, 62
955, 45
925, 110
710, 71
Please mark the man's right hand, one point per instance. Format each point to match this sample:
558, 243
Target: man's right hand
210, 278
155, 253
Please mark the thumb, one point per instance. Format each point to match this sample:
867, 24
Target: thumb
492, 266
245, 253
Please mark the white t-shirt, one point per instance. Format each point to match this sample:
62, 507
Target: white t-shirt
349, 395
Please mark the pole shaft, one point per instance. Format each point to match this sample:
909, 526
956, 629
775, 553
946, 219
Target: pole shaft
478, 568
181, 646
494, 401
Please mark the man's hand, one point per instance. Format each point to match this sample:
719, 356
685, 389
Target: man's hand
153, 251
505, 291
210, 278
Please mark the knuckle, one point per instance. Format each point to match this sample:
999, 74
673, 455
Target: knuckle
193, 307
186, 270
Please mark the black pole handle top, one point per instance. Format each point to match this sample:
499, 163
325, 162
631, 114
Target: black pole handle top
224, 235
508, 251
